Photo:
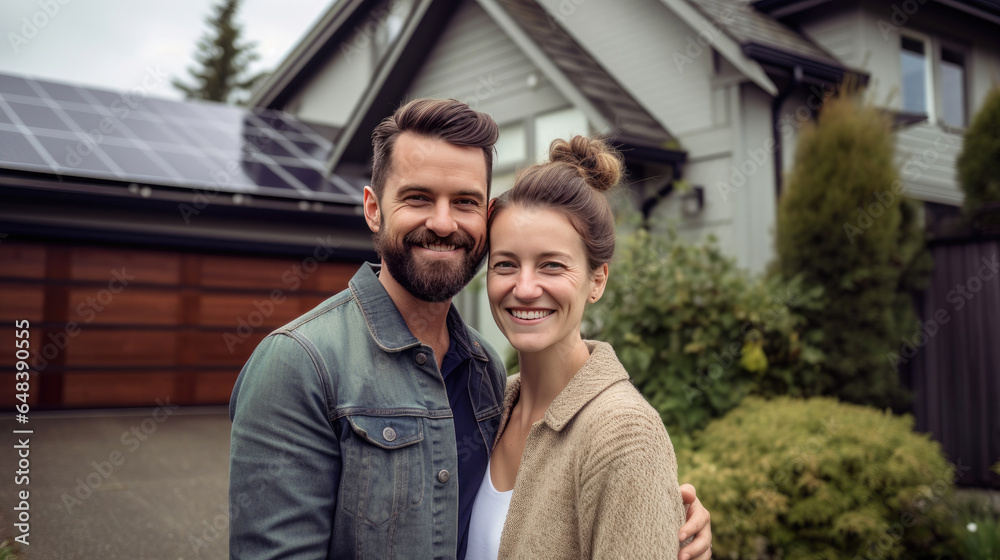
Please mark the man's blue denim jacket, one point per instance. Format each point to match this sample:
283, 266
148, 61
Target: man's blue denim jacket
343, 444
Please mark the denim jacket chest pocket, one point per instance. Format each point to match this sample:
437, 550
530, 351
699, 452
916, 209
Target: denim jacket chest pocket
382, 466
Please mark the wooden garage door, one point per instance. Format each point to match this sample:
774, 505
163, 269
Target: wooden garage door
116, 326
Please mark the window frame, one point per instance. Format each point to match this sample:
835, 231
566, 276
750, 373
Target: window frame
934, 47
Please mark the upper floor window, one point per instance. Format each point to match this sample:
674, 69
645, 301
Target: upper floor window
934, 80
915, 76
953, 86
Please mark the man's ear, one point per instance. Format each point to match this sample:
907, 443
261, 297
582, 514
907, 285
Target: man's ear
372, 213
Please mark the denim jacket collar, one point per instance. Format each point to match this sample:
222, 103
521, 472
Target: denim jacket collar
386, 324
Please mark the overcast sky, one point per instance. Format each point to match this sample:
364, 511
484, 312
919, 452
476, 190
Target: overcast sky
112, 44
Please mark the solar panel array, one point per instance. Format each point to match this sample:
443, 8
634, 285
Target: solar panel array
74, 131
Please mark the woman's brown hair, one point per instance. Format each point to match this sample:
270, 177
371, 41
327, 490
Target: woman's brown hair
573, 181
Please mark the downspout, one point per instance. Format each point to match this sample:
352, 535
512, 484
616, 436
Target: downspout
776, 104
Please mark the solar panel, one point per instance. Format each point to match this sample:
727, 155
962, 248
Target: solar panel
69, 130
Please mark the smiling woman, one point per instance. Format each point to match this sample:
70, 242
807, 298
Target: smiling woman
582, 466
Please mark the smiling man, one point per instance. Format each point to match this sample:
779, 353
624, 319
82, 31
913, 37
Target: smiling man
363, 428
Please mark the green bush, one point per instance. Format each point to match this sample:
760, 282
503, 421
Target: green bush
814, 478
979, 525
697, 333
844, 225
978, 165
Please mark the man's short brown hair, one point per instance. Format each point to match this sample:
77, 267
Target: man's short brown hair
444, 119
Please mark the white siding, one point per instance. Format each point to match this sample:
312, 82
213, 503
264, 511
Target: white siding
331, 95
476, 62
840, 34
926, 157
639, 42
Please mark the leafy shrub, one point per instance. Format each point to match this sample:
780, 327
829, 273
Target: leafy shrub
979, 525
697, 333
844, 225
979, 163
814, 478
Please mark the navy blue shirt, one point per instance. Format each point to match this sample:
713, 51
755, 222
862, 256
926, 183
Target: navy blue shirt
473, 454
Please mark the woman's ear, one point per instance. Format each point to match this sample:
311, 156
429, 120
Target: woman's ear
600, 282
372, 214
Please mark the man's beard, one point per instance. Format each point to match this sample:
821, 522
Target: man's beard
432, 281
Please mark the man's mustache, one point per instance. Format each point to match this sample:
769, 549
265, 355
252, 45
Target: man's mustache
427, 237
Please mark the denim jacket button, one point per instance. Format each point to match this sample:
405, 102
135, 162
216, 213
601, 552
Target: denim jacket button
389, 434
444, 475
421, 358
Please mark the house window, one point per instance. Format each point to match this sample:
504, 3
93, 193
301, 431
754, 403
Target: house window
558, 124
952, 87
915, 76
934, 80
512, 147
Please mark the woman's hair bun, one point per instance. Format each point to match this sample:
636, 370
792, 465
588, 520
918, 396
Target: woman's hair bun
598, 163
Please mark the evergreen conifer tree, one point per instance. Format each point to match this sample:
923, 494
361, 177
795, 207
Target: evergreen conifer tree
979, 163
844, 225
223, 59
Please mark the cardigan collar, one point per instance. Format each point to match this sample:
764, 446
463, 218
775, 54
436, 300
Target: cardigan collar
600, 371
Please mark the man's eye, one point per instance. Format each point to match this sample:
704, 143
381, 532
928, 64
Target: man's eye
467, 202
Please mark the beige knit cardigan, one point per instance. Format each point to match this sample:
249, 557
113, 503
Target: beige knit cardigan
598, 477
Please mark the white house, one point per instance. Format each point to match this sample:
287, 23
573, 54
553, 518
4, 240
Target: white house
704, 96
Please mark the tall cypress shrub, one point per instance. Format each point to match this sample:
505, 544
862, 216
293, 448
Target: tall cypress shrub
841, 227
979, 163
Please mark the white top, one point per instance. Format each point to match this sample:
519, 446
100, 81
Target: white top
488, 515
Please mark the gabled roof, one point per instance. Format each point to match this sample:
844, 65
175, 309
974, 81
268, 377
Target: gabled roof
767, 41
321, 39
987, 10
570, 68
626, 119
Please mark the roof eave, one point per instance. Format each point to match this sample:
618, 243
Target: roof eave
328, 30
813, 70
728, 47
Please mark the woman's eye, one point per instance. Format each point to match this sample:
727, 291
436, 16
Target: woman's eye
504, 265
553, 266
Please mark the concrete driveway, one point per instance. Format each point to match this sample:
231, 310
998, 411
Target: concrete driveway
132, 484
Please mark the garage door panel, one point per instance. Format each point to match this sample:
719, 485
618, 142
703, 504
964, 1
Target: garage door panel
135, 266
232, 310
122, 347
22, 260
21, 301
131, 306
